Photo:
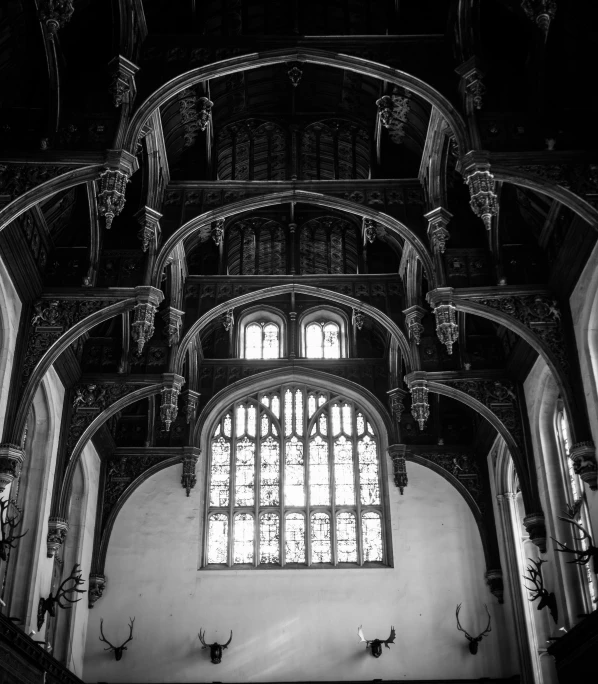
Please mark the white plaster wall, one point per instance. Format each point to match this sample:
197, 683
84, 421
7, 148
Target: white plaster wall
296, 625
10, 313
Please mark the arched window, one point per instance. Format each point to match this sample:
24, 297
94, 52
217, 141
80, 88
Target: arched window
262, 340
294, 480
322, 340
576, 499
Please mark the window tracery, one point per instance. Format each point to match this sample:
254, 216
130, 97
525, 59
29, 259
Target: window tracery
294, 479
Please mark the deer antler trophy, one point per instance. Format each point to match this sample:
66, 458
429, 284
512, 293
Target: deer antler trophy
583, 555
474, 642
118, 650
215, 648
375, 645
10, 518
547, 599
49, 604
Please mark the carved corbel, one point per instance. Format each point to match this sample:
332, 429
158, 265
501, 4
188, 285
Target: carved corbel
122, 86
191, 398
484, 201
396, 399
535, 525
57, 530
295, 73
541, 12
189, 461
438, 219
413, 316
142, 328
441, 301
119, 167
420, 407
149, 233
97, 584
397, 454
218, 232
472, 73
11, 462
358, 319
171, 388
495, 583
583, 455
369, 229
174, 322
228, 320
55, 14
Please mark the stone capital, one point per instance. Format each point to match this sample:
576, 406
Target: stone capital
441, 295
494, 580
57, 531
11, 461
583, 455
121, 160
146, 294
535, 525
413, 316
174, 322
97, 584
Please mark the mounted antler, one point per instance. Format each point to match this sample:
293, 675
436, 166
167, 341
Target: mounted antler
474, 642
376, 644
8, 524
215, 648
49, 604
118, 650
547, 599
583, 555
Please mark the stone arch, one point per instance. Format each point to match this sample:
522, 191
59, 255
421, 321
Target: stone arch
322, 57
255, 203
220, 309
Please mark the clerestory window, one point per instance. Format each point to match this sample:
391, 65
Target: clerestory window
262, 340
294, 480
322, 340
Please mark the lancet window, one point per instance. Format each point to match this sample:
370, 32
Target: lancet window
294, 480
262, 340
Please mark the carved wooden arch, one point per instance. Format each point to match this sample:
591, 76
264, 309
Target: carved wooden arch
15, 432
255, 203
322, 57
579, 425
40, 192
276, 290
100, 559
574, 202
92, 428
529, 486
491, 561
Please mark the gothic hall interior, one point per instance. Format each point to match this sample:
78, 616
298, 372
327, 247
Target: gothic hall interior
298, 341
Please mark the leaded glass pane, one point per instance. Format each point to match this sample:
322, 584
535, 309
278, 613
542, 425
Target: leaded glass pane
294, 484
332, 348
323, 423
371, 535
336, 419
288, 413
218, 538
270, 538
240, 421
346, 538
270, 473
299, 412
322, 400
321, 546
369, 480
276, 406
220, 473
218, 430
251, 420
319, 474
360, 424
243, 538
245, 473
265, 424
253, 341
295, 538
370, 429
265, 400
347, 419
228, 425
271, 346
343, 472
311, 405
313, 341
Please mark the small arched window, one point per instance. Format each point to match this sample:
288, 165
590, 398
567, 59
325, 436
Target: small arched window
322, 340
262, 340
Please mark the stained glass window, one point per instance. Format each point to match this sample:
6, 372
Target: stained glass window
262, 341
294, 478
322, 340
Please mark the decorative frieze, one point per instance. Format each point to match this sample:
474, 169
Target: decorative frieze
11, 462
122, 86
438, 234
397, 454
413, 316
97, 584
447, 329
142, 328
171, 387
173, 319
149, 233
583, 455
57, 531
55, 14
189, 461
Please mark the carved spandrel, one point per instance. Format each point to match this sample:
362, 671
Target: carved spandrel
463, 466
50, 320
539, 313
582, 179
16, 179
